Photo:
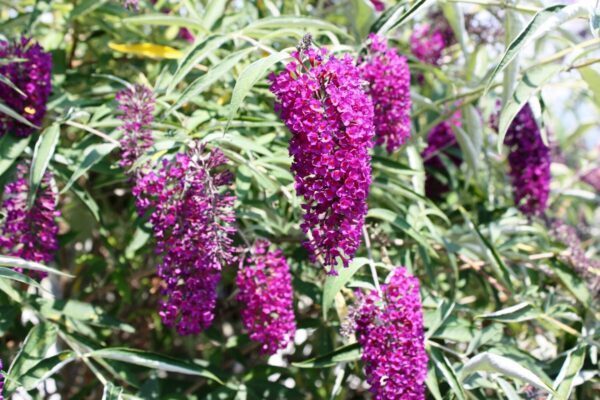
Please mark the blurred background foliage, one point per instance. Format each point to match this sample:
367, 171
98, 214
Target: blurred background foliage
507, 314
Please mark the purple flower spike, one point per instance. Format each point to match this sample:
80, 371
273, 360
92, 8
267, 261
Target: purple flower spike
192, 220
440, 139
266, 296
33, 78
320, 99
428, 42
378, 5
389, 87
1, 381
30, 234
390, 331
137, 104
529, 161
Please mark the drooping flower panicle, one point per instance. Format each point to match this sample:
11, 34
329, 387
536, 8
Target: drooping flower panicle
428, 41
30, 234
320, 99
390, 331
266, 296
441, 140
31, 74
529, 160
389, 87
137, 105
192, 216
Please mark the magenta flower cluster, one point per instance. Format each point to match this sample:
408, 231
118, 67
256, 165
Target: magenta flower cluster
390, 330
266, 294
389, 87
320, 99
378, 5
1, 381
427, 42
192, 217
441, 140
33, 79
137, 105
30, 234
529, 160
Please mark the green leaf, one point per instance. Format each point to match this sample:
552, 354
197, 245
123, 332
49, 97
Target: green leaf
214, 11
43, 152
532, 82
249, 77
346, 353
205, 81
447, 371
334, 283
154, 361
288, 22
565, 381
4, 109
7, 273
37, 343
543, 22
441, 314
592, 79
573, 283
517, 313
432, 383
396, 16
198, 53
112, 392
467, 147
508, 389
16, 262
164, 20
490, 362
90, 157
54, 309
85, 7
395, 220
11, 148
45, 369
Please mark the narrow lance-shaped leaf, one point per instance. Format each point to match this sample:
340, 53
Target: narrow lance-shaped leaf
249, 77
544, 21
11, 148
490, 362
334, 283
43, 152
347, 353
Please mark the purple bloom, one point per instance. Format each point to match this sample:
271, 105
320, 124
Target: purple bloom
137, 104
389, 87
192, 222
592, 178
320, 99
390, 331
266, 296
131, 4
1, 381
29, 233
378, 5
427, 42
440, 140
187, 35
529, 160
32, 77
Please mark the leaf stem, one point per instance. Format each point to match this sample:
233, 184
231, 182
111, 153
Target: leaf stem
371, 263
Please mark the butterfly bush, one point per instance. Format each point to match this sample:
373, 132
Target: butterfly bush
321, 101
31, 233
32, 77
440, 139
390, 331
266, 296
191, 216
529, 160
137, 105
389, 87
428, 41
